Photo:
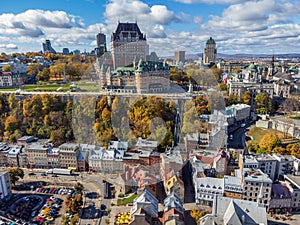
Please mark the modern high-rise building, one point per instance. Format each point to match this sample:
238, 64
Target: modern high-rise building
210, 52
179, 56
101, 44
66, 51
47, 48
128, 44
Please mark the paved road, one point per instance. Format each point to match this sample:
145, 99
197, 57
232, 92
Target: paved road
239, 139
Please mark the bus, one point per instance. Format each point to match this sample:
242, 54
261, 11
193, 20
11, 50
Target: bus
60, 171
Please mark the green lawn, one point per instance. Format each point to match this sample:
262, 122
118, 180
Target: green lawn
257, 133
89, 87
8, 89
295, 117
125, 201
48, 87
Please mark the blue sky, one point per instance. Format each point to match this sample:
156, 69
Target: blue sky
238, 26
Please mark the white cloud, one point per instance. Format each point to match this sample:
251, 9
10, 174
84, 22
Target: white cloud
244, 25
150, 19
211, 1
198, 19
8, 46
32, 22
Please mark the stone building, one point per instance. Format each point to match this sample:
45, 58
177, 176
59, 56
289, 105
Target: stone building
37, 155
128, 44
257, 186
210, 51
68, 153
144, 77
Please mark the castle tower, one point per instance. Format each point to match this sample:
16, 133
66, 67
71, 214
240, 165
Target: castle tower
210, 52
271, 69
128, 43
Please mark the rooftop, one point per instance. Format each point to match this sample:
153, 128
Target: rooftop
255, 175
280, 191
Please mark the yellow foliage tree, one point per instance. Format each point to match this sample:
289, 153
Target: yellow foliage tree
197, 214
269, 141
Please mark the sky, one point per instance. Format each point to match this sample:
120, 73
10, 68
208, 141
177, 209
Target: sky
238, 26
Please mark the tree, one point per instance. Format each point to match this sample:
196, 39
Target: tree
74, 220
269, 141
234, 155
197, 214
78, 188
217, 72
294, 149
64, 220
202, 105
246, 98
264, 104
232, 99
12, 101
44, 75
15, 174
33, 69
6, 68
11, 124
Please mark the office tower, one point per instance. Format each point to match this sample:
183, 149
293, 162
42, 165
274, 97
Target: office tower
179, 56
101, 44
66, 51
47, 48
128, 44
210, 52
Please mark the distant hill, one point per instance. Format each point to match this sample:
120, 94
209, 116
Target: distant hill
236, 56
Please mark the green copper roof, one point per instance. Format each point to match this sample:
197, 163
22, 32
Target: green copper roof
210, 41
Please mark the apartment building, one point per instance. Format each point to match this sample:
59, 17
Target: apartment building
37, 155
207, 188
257, 186
68, 153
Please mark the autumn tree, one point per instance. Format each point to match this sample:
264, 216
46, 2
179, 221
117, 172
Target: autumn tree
264, 104
33, 69
269, 141
202, 105
217, 72
74, 220
11, 124
15, 174
246, 98
294, 149
146, 109
44, 74
232, 99
6, 68
78, 188
197, 214
190, 122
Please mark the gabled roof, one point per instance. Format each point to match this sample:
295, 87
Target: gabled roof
132, 28
237, 211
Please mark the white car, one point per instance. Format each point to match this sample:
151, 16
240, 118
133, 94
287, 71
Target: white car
243, 125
